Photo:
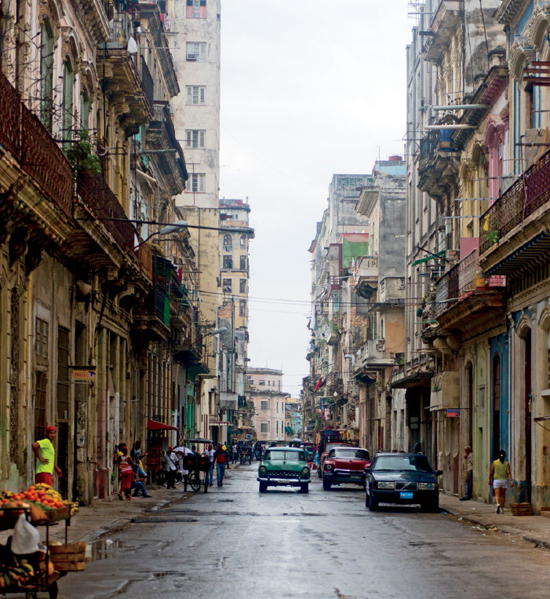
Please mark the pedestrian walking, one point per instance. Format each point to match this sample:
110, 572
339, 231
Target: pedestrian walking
209, 453
499, 478
169, 460
44, 451
469, 466
234, 452
126, 468
220, 457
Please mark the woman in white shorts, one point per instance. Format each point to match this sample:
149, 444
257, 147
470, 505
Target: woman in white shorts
499, 478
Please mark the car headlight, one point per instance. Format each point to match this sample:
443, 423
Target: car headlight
426, 486
263, 470
305, 471
329, 467
386, 485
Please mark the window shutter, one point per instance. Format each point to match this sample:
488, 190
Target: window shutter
202, 52
189, 95
202, 95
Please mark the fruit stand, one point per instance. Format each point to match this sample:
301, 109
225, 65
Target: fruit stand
39, 571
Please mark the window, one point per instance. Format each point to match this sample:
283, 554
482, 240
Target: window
63, 384
228, 262
243, 240
242, 286
84, 111
40, 405
197, 182
264, 427
67, 107
226, 286
196, 51
227, 242
41, 347
277, 427
269, 383
261, 383
243, 263
196, 9
194, 138
265, 405
46, 74
242, 308
196, 94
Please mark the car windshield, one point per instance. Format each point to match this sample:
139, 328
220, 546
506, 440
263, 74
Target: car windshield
400, 463
281, 456
350, 454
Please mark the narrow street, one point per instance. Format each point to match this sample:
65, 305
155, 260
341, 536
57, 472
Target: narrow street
235, 543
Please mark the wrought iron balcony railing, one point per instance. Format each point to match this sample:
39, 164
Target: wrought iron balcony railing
103, 203
25, 137
461, 280
527, 194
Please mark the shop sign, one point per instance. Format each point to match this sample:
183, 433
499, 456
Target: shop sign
453, 412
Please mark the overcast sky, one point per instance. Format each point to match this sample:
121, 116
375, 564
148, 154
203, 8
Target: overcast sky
310, 88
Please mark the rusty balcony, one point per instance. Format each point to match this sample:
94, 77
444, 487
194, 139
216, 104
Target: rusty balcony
514, 230
101, 203
463, 292
33, 148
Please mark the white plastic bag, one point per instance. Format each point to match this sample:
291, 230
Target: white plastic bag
25, 537
228, 474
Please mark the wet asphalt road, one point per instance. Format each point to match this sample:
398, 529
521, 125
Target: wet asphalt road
235, 543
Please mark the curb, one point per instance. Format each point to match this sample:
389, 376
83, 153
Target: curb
503, 529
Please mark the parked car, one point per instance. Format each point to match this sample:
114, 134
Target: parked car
405, 478
345, 465
284, 466
327, 450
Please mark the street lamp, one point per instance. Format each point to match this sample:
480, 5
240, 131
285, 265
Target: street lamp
166, 230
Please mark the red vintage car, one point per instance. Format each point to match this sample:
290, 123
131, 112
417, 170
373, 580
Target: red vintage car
328, 447
345, 465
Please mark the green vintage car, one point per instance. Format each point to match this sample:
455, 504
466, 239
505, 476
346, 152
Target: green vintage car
284, 466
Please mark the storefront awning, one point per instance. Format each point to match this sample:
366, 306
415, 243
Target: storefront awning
153, 425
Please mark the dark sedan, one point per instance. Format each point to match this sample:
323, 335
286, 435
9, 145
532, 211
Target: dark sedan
405, 478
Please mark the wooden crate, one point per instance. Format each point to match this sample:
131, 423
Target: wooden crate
68, 558
522, 509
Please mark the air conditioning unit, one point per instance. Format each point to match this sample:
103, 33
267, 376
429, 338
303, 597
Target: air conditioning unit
191, 57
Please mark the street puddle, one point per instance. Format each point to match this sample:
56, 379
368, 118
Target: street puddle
102, 549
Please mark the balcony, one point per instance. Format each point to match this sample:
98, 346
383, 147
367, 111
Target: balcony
439, 161
99, 201
37, 154
373, 356
229, 401
161, 135
153, 323
127, 79
96, 16
514, 230
366, 276
445, 23
463, 296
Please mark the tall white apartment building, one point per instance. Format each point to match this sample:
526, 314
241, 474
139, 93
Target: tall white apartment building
196, 41
194, 32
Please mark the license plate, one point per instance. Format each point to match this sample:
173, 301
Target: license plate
406, 495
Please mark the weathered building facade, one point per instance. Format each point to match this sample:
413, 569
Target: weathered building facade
99, 302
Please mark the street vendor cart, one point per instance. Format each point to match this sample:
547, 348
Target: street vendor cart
37, 572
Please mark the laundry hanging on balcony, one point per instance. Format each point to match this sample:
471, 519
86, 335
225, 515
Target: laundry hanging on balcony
319, 384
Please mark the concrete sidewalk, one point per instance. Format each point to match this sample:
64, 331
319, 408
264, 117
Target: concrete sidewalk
534, 529
108, 515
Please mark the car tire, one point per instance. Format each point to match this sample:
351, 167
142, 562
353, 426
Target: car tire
304, 488
372, 502
326, 484
431, 506
263, 487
